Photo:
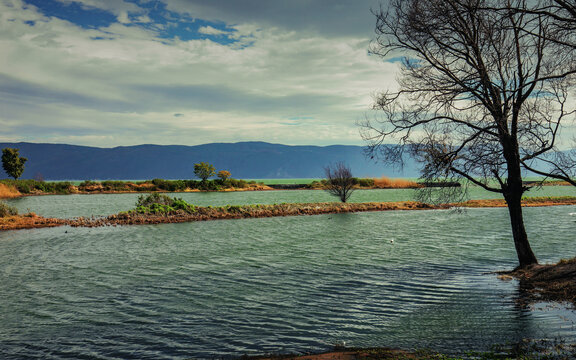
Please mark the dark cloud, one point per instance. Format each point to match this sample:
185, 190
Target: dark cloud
224, 99
325, 17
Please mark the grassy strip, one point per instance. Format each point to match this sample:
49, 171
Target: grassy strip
35, 187
158, 208
526, 202
7, 192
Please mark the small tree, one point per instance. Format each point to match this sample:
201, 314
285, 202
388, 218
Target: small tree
224, 175
204, 171
12, 162
340, 182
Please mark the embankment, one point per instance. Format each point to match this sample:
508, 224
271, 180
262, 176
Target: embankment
8, 192
255, 211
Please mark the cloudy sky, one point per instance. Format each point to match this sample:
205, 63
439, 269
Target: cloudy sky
124, 72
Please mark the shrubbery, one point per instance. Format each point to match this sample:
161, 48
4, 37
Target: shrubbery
162, 204
7, 210
31, 186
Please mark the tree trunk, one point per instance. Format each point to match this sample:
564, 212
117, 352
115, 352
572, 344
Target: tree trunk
523, 250
513, 191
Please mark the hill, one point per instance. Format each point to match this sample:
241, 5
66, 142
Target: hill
255, 160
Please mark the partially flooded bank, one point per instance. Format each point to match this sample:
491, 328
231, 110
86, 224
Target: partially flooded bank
189, 213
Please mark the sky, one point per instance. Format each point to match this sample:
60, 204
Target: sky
125, 72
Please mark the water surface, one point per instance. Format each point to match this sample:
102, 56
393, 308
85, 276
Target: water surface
67, 206
408, 279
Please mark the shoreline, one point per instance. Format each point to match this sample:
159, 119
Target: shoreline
31, 220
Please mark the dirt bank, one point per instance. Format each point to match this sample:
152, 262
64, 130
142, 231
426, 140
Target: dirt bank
256, 211
29, 221
550, 282
354, 354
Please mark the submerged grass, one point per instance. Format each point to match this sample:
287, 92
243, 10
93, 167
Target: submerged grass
525, 350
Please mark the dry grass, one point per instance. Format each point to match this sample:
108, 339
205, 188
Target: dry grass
28, 221
388, 183
7, 192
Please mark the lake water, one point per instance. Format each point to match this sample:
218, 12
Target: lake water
292, 284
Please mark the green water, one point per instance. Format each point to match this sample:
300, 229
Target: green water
408, 279
105, 204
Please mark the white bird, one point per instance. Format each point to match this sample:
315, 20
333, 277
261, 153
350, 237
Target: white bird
391, 241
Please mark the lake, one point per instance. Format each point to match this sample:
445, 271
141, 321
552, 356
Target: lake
408, 279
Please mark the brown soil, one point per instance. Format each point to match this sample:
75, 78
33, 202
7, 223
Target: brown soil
351, 354
556, 282
527, 202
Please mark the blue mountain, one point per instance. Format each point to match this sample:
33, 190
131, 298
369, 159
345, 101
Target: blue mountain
245, 160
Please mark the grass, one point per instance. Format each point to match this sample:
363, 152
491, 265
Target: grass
8, 191
390, 183
7, 210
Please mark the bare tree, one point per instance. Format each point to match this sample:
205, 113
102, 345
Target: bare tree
482, 98
340, 182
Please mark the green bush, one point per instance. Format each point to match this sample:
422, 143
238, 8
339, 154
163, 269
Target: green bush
241, 184
179, 204
162, 204
363, 182
28, 186
155, 198
209, 185
7, 210
114, 185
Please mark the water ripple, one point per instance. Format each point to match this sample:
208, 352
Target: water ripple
222, 288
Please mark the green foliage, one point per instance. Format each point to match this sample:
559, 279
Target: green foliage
7, 210
204, 171
170, 185
155, 198
224, 174
161, 204
240, 184
364, 182
29, 186
115, 185
12, 162
209, 186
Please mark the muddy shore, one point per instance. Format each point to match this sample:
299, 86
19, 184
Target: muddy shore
32, 220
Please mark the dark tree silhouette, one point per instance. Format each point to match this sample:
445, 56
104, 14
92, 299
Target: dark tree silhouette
12, 162
339, 181
482, 96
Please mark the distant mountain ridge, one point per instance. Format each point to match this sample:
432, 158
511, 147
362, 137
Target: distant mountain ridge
245, 160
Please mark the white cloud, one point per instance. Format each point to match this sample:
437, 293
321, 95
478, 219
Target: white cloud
209, 30
122, 85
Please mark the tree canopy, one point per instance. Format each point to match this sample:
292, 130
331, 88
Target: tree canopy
483, 96
204, 170
12, 162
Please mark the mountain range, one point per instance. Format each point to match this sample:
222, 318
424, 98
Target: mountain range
245, 160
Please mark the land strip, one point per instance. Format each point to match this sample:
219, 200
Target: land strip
136, 217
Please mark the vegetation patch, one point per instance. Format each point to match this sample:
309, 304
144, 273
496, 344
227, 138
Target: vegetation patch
7, 191
7, 210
